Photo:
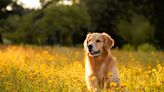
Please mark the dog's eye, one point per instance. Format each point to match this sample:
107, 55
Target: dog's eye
97, 40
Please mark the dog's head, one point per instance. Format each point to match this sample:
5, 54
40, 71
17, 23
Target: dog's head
95, 43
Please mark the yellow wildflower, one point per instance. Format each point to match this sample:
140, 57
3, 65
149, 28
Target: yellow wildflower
110, 75
113, 84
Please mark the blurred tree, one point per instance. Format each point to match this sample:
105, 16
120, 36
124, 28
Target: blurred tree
137, 31
105, 14
3, 13
7, 8
14, 8
3, 4
54, 24
61, 22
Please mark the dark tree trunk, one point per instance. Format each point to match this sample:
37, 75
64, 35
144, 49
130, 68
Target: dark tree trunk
1, 38
159, 22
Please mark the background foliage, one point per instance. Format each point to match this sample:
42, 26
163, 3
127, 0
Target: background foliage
131, 22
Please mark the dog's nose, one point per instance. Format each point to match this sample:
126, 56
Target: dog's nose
90, 48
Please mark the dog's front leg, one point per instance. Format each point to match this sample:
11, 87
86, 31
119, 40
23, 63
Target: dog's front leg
92, 83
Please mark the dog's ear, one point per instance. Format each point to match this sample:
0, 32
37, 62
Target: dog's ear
85, 41
108, 41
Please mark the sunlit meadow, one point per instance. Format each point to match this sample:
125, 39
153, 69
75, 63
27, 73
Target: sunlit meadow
61, 69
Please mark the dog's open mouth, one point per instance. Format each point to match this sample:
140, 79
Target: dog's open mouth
95, 53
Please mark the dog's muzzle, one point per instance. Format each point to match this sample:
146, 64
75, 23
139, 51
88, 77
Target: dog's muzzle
94, 53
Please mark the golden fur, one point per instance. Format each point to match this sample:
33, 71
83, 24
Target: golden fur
99, 61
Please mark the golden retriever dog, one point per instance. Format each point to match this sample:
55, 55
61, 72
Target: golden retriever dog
100, 65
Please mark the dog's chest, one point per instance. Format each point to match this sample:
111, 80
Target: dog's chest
95, 68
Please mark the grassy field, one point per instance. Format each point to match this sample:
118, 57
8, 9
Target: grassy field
61, 69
